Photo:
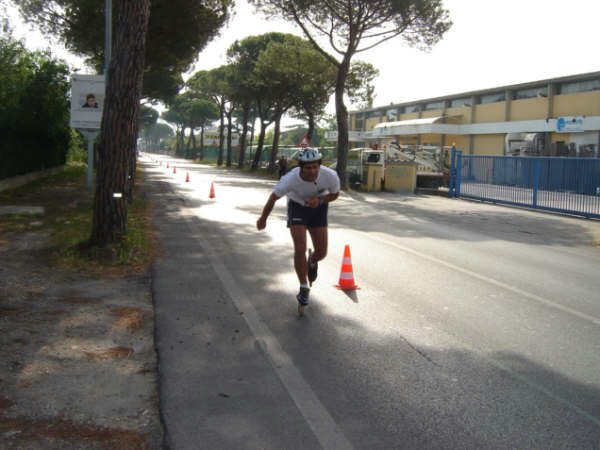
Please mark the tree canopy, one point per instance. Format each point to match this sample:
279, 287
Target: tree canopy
178, 30
339, 29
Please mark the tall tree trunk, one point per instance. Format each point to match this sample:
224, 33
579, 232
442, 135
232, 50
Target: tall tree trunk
179, 140
275, 146
259, 147
132, 162
229, 155
342, 121
245, 114
221, 132
119, 132
202, 142
311, 127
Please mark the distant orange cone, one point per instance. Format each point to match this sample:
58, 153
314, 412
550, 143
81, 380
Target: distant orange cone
346, 282
212, 190
187, 177
174, 169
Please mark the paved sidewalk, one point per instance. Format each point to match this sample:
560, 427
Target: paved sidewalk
218, 389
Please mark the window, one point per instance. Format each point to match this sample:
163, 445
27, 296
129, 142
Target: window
458, 102
372, 114
434, 105
541, 91
412, 108
391, 115
579, 86
493, 98
359, 122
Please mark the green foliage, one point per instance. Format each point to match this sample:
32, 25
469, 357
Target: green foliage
77, 152
199, 113
354, 26
295, 73
359, 85
177, 31
277, 73
154, 137
34, 110
147, 116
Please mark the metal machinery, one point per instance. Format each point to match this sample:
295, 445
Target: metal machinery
365, 168
429, 158
525, 144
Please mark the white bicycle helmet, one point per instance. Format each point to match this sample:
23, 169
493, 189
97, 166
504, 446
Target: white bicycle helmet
309, 155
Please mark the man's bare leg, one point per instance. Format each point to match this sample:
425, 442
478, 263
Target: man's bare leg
299, 237
318, 236
319, 240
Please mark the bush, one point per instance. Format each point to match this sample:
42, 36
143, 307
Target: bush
34, 110
77, 148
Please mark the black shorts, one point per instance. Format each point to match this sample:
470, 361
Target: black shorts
309, 217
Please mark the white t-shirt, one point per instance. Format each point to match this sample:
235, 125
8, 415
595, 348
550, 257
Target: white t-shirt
300, 191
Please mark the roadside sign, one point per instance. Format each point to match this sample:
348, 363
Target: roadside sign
569, 124
87, 101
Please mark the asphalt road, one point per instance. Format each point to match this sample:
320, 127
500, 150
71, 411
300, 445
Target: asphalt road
475, 326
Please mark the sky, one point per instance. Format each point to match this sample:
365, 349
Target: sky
491, 43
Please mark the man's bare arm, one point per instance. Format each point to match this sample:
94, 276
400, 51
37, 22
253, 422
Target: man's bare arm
261, 223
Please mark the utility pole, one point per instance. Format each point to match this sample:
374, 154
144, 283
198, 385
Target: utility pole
107, 34
92, 135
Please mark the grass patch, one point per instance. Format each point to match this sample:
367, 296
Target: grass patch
68, 203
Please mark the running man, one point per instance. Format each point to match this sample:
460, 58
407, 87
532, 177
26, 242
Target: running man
310, 188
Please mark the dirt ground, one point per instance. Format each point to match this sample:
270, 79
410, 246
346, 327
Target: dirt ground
77, 357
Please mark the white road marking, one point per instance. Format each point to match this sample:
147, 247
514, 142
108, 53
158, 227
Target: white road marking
327, 432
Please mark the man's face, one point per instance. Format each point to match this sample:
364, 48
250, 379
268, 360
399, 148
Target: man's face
91, 101
310, 171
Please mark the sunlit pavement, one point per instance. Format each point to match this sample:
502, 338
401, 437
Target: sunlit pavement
476, 326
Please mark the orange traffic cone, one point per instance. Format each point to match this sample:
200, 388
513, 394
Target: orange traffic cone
187, 177
174, 169
212, 190
346, 282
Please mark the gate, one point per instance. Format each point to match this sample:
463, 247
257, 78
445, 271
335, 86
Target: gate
565, 185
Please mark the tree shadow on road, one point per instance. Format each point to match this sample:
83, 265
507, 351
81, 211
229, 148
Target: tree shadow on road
444, 218
385, 387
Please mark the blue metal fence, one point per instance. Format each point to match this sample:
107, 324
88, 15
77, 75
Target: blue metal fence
567, 185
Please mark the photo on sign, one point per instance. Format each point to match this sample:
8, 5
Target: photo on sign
91, 100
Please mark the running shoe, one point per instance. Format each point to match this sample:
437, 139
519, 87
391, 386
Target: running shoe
302, 296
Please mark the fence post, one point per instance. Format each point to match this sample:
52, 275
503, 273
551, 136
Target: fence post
451, 191
458, 172
537, 167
